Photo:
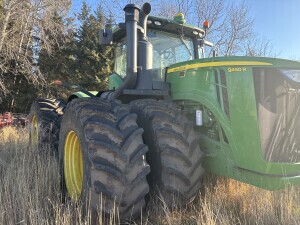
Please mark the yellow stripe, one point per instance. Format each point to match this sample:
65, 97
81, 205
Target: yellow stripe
213, 64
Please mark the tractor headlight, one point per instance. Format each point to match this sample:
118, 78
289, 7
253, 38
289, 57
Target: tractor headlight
293, 75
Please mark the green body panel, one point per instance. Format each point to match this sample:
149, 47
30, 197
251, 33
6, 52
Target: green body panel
114, 81
223, 88
80, 94
241, 158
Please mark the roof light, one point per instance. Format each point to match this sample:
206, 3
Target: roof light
206, 24
157, 23
195, 32
179, 18
149, 21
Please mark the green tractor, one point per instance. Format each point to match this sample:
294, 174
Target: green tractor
169, 115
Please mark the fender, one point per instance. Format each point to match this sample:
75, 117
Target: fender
80, 94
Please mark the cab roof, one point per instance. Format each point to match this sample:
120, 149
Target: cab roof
167, 25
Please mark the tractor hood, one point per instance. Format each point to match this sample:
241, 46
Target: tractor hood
276, 90
252, 113
233, 62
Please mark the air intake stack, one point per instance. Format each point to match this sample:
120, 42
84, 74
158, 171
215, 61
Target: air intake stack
131, 23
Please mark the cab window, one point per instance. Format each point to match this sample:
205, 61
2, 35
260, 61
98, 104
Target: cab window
167, 49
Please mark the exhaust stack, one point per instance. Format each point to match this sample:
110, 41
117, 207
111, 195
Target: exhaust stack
145, 52
139, 74
131, 22
145, 11
145, 48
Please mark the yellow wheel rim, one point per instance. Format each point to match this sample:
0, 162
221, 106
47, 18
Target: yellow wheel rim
73, 165
34, 131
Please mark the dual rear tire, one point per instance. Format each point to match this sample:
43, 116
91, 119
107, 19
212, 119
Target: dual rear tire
45, 116
174, 154
103, 146
102, 155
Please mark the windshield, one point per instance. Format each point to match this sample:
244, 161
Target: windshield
167, 49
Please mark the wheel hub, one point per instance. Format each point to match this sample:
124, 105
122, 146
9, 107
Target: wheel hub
73, 165
34, 131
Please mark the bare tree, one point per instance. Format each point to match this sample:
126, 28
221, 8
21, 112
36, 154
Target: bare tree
259, 47
168, 9
238, 30
114, 8
165, 9
231, 25
24, 29
213, 11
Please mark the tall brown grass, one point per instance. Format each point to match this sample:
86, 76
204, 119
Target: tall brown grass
30, 194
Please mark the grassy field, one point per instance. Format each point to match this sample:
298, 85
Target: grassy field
30, 194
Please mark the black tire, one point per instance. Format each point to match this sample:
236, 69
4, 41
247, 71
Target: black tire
48, 113
113, 152
174, 154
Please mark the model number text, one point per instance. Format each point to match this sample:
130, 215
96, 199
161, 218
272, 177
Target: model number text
237, 69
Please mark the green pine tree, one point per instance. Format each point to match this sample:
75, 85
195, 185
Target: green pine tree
59, 64
94, 62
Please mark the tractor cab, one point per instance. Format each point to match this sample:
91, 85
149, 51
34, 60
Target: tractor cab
161, 43
171, 43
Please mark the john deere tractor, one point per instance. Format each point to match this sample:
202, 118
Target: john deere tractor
165, 103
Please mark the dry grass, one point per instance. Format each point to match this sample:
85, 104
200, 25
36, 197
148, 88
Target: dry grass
30, 194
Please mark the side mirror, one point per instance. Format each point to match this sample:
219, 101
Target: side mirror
105, 37
208, 43
202, 43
